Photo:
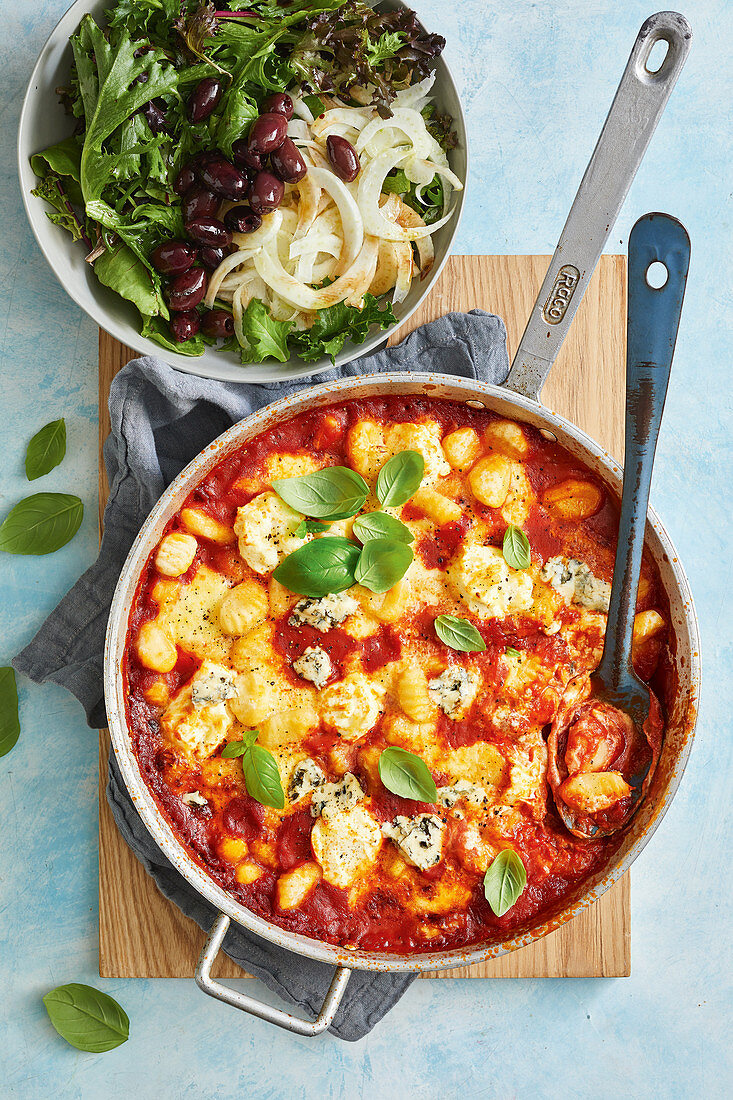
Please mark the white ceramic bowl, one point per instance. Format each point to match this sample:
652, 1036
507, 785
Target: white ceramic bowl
44, 122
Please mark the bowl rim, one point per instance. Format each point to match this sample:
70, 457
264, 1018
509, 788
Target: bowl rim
35, 211
144, 802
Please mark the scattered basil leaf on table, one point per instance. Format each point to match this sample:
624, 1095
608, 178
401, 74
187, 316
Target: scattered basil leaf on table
382, 563
310, 527
46, 449
320, 567
335, 492
515, 548
511, 652
399, 478
41, 523
86, 1018
9, 721
407, 775
459, 634
380, 525
504, 881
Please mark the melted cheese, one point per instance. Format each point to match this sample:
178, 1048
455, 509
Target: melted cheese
266, 531
346, 844
490, 588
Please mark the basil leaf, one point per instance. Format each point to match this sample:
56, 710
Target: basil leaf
407, 775
380, 525
511, 652
516, 548
46, 449
86, 1018
399, 478
333, 493
319, 568
382, 563
459, 634
262, 776
41, 523
310, 526
233, 749
9, 721
504, 881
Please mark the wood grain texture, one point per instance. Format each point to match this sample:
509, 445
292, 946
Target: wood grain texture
143, 935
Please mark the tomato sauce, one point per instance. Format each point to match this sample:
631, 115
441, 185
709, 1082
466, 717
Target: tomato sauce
382, 913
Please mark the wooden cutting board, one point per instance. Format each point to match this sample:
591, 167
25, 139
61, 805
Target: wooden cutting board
141, 935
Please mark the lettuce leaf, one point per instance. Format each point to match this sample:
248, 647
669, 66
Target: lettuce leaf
266, 337
122, 271
157, 330
337, 324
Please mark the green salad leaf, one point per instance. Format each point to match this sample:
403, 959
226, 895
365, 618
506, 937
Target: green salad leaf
88, 1019
266, 337
335, 325
158, 331
122, 271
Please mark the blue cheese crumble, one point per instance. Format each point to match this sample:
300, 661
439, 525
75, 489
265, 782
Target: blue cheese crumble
212, 684
342, 795
453, 691
306, 777
576, 584
314, 664
419, 839
325, 613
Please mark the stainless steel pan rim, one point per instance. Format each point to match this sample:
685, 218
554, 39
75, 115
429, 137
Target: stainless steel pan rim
452, 388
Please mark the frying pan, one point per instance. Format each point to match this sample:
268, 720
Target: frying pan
635, 111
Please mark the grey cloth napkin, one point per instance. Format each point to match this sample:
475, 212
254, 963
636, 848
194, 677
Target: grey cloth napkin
160, 420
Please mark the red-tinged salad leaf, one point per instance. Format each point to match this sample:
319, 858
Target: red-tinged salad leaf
357, 46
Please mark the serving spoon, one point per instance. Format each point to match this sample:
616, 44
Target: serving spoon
659, 257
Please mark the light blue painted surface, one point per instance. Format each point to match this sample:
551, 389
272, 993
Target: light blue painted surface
537, 81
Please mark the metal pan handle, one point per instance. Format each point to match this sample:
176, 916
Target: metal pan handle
257, 1008
637, 107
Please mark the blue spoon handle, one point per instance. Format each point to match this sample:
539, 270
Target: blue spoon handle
653, 320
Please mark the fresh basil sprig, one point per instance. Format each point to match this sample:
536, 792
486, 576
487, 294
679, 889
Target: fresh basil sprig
86, 1018
320, 567
381, 525
333, 493
382, 563
504, 881
407, 775
46, 449
41, 523
399, 478
459, 634
9, 720
511, 652
261, 773
310, 527
515, 548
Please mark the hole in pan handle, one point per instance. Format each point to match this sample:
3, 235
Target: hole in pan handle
632, 119
263, 1011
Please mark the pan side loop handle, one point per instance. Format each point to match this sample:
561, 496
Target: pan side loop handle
637, 107
263, 1011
